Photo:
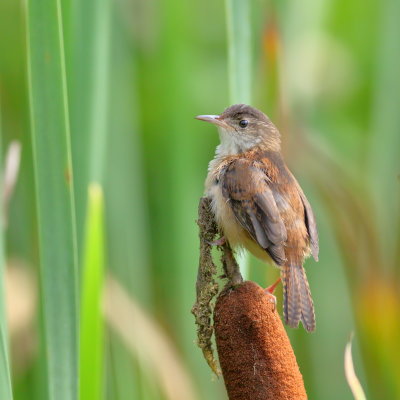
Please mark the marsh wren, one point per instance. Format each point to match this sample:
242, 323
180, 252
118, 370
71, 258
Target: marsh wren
259, 205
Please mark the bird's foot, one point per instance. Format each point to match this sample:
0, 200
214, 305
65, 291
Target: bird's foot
219, 242
270, 292
271, 299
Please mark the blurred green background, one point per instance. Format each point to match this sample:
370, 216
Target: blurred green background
136, 73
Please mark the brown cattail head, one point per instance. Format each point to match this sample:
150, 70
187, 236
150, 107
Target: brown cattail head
255, 354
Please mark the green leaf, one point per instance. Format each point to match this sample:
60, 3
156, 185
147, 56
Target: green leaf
89, 99
239, 68
91, 350
55, 198
239, 50
5, 379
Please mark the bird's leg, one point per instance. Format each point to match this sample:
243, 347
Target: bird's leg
219, 242
271, 288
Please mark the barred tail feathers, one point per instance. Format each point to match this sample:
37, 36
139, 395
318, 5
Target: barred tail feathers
297, 302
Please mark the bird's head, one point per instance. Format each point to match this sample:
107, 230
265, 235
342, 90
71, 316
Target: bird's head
242, 127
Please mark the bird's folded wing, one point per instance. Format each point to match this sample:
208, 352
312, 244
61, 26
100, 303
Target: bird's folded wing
310, 222
246, 189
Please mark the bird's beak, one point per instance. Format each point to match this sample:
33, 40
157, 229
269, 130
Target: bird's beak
214, 119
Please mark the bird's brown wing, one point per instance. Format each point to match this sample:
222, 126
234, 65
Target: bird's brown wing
246, 189
310, 222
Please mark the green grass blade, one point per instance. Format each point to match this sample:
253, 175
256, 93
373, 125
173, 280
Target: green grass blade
89, 97
239, 67
55, 199
91, 350
99, 102
239, 50
5, 379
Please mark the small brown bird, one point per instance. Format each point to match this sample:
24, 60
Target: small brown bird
259, 205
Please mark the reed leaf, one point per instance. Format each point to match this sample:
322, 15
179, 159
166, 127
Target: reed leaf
89, 84
5, 379
239, 50
91, 328
239, 67
55, 197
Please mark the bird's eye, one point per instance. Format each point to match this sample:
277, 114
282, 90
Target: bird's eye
243, 123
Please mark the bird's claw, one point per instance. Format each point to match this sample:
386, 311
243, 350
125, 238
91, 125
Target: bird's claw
271, 298
270, 292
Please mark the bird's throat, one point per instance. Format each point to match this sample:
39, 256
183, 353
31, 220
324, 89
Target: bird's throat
233, 143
